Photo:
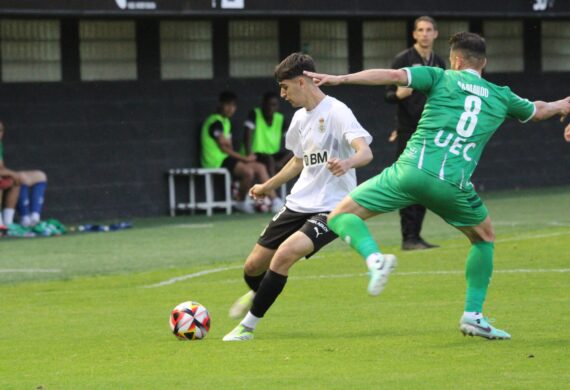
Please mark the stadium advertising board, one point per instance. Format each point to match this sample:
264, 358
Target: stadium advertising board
481, 8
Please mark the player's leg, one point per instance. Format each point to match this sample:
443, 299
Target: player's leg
294, 248
347, 220
465, 211
312, 236
272, 284
246, 175
32, 194
10, 201
478, 272
280, 228
378, 195
254, 270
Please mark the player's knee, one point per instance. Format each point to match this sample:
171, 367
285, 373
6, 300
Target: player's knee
41, 176
253, 268
247, 174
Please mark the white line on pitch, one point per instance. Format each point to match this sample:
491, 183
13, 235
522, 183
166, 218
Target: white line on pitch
194, 225
28, 270
192, 276
342, 276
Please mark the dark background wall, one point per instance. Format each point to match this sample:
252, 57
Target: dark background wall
106, 146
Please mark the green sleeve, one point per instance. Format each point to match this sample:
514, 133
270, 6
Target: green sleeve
519, 108
423, 78
1, 151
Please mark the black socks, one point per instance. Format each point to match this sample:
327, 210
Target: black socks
268, 291
253, 281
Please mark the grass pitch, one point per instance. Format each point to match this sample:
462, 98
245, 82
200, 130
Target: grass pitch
77, 312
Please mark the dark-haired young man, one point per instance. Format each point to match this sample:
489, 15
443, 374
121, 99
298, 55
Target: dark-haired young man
410, 106
327, 144
264, 134
217, 151
462, 112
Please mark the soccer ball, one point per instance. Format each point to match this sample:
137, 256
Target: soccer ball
190, 321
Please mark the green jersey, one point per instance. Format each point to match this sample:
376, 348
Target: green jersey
461, 114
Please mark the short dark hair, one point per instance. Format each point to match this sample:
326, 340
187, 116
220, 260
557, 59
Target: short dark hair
471, 45
227, 97
425, 18
294, 65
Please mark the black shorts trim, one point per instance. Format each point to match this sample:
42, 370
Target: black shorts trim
286, 222
230, 163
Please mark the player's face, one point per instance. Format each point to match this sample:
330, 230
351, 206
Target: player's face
271, 106
229, 109
425, 34
292, 91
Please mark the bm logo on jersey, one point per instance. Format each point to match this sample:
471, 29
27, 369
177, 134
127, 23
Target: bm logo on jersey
316, 158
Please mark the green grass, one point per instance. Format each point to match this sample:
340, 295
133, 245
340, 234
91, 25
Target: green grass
94, 325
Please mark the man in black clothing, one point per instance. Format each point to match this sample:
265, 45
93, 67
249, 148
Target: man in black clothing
410, 106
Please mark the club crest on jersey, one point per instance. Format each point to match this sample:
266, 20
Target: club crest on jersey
316, 158
322, 125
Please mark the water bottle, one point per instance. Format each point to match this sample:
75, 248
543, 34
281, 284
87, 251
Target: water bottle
120, 225
84, 228
93, 228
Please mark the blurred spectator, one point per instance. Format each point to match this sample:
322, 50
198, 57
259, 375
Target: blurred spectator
32, 189
9, 187
264, 134
410, 107
217, 151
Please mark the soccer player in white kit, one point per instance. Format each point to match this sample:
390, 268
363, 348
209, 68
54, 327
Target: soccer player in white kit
328, 143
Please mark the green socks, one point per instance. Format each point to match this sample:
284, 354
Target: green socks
352, 230
478, 271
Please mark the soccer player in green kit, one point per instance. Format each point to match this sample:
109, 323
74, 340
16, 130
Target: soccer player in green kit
462, 112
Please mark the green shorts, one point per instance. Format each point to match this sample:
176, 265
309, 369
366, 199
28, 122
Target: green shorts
402, 185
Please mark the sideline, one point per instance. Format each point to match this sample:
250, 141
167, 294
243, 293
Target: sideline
28, 270
353, 275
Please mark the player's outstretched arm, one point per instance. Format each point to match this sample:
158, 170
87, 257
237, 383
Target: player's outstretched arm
365, 77
546, 110
362, 157
291, 170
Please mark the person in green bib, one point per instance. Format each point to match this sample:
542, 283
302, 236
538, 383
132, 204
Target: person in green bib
462, 112
264, 134
217, 152
9, 188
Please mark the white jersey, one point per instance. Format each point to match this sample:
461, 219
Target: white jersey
317, 136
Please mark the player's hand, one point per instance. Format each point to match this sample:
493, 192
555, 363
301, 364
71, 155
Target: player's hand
323, 79
258, 191
564, 108
16, 177
338, 167
403, 92
567, 133
393, 136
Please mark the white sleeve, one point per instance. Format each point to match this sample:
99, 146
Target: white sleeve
349, 126
292, 139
